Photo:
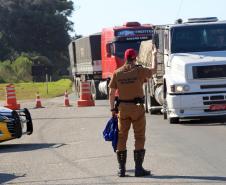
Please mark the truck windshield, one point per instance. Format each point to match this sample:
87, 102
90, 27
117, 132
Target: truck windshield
198, 38
120, 47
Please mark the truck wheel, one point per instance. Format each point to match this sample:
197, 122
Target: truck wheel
99, 95
174, 120
153, 103
150, 101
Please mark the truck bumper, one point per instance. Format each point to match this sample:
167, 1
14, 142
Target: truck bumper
195, 105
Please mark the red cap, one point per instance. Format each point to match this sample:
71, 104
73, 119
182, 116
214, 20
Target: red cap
130, 54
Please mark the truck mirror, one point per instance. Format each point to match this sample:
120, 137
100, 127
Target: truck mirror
108, 49
156, 41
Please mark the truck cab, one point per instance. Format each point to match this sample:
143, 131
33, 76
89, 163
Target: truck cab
114, 42
192, 80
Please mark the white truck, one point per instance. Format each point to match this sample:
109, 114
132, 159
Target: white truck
191, 75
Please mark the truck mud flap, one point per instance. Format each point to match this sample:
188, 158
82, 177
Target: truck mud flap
29, 121
17, 125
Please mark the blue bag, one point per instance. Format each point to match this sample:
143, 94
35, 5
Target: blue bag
110, 132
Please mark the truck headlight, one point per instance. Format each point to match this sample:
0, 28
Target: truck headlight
179, 88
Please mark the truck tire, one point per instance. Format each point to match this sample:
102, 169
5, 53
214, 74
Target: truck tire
153, 103
152, 100
174, 120
98, 94
149, 100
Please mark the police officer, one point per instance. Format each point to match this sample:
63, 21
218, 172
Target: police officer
128, 81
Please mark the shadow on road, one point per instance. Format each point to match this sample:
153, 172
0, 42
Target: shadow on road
184, 177
5, 177
205, 122
209, 178
74, 117
6, 148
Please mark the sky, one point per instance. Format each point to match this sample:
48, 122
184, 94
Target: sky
90, 16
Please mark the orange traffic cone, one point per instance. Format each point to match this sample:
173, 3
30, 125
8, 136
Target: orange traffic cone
85, 95
11, 102
66, 99
38, 101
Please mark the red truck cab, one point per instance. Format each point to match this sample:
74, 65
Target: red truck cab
94, 58
115, 40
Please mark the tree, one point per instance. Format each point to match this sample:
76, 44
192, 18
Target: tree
39, 26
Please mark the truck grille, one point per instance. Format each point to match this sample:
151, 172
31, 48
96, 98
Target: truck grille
215, 99
213, 86
212, 71
214, 102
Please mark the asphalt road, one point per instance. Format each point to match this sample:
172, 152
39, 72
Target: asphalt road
67, 148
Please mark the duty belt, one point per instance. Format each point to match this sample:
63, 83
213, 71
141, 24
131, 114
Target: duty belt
136, 101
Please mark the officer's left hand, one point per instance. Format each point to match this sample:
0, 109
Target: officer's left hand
113, 113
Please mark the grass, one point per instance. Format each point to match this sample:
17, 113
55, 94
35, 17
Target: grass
26, 91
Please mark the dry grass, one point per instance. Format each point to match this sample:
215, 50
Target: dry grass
25, 91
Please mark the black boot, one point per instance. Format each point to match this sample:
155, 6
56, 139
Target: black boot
121, 156
139, 158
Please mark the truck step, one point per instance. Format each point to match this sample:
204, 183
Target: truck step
155, 108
